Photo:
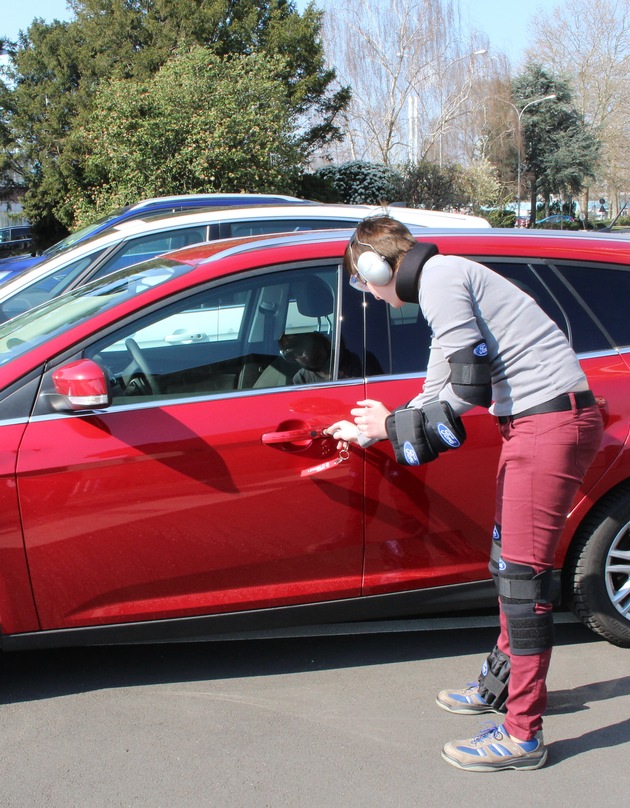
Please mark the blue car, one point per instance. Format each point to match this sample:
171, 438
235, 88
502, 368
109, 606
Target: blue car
13, 265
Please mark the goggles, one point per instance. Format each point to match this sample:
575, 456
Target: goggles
357, 281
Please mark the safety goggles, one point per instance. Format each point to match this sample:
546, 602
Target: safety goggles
357, 281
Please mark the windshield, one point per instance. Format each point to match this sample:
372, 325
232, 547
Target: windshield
34, 327
83, 233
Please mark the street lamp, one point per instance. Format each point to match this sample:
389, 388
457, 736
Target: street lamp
519, 115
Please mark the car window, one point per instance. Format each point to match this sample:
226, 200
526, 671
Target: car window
268, 331
604, 291
139, 249
400, 338
256, 227
45, 288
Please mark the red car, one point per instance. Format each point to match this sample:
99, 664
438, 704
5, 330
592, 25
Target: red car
164, 473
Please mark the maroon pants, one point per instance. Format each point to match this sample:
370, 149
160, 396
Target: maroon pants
543, 461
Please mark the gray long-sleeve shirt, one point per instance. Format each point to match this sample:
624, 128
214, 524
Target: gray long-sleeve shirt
531, 360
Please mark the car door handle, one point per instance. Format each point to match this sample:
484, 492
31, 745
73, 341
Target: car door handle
292, 436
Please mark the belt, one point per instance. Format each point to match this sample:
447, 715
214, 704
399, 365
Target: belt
562, 403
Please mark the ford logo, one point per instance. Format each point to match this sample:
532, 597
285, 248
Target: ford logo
447, 436
410, 454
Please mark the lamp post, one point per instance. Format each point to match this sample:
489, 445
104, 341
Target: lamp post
519, 116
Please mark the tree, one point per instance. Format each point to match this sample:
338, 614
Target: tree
559, 149
361, 183
589, 42
411, 67
56, 70
150, 138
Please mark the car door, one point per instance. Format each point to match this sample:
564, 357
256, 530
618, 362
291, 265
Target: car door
193, 493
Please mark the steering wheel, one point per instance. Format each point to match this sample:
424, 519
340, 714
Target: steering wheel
139, 358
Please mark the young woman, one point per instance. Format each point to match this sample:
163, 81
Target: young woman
492, 346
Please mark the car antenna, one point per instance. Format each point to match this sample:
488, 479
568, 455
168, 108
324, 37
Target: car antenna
608, 228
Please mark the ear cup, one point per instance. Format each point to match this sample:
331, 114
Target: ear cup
374, 268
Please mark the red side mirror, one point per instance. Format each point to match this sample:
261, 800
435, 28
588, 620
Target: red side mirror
83, 385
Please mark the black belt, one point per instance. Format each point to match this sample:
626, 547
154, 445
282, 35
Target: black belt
562, 403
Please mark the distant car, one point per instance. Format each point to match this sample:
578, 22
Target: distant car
164, 204
557, 221
136, 239
15, 239
164, 473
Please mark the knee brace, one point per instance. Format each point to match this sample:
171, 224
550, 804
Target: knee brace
495, 555
493, 679
520, 589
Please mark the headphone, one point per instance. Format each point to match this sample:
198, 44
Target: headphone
372, 267
376, 270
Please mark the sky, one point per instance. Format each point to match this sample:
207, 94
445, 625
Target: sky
506, 23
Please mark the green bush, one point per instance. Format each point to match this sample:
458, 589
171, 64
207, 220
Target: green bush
357, 183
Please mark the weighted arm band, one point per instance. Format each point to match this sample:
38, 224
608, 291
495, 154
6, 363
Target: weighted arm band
470, 374
405, 429
419, 435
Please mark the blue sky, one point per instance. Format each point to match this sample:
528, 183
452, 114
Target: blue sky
505, 23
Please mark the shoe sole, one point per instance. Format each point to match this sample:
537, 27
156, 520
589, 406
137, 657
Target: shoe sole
520, 765
468, 709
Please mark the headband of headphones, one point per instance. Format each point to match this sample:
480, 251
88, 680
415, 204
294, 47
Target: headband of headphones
408, 275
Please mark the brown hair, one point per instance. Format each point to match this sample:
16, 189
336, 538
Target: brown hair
389, 237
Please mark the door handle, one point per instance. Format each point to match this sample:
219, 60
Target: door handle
292, 436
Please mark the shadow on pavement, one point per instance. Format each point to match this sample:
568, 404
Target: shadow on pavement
32, 675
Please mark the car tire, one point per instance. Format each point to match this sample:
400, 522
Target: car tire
598, 569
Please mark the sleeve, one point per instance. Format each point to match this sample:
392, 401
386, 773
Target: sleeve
446, 300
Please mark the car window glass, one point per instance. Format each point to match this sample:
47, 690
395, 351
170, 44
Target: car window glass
267, 331
400, 338
140, 249
397, 340
605, 291
257, 227
45, 288
540, 281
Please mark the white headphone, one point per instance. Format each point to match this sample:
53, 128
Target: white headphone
372, 267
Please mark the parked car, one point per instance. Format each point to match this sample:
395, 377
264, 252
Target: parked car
164, 204
556, 221
15, 239
140, 238
164, 475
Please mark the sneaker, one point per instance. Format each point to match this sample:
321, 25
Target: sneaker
467, 701
493, 750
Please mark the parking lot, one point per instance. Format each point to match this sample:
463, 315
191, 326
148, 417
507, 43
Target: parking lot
324, 721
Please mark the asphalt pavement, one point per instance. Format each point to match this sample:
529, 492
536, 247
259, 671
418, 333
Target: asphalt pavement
325, 720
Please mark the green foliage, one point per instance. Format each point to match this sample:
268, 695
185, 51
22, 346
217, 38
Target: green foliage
434, 187
150, 138
358, 182
56, 70
501, 217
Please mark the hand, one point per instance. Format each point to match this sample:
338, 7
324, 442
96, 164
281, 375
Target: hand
369, 416
342, 431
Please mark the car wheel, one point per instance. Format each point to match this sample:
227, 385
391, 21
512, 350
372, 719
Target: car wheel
598, 579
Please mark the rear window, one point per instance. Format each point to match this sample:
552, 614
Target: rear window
604, 292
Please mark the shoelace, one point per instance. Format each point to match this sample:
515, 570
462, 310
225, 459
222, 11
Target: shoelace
488, 729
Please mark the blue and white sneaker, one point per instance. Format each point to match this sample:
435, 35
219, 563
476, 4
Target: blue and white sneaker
465, 701
493, 750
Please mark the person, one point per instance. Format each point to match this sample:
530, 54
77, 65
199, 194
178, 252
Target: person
312, 352
492, 346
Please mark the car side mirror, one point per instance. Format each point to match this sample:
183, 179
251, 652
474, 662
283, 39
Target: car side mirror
81, 385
